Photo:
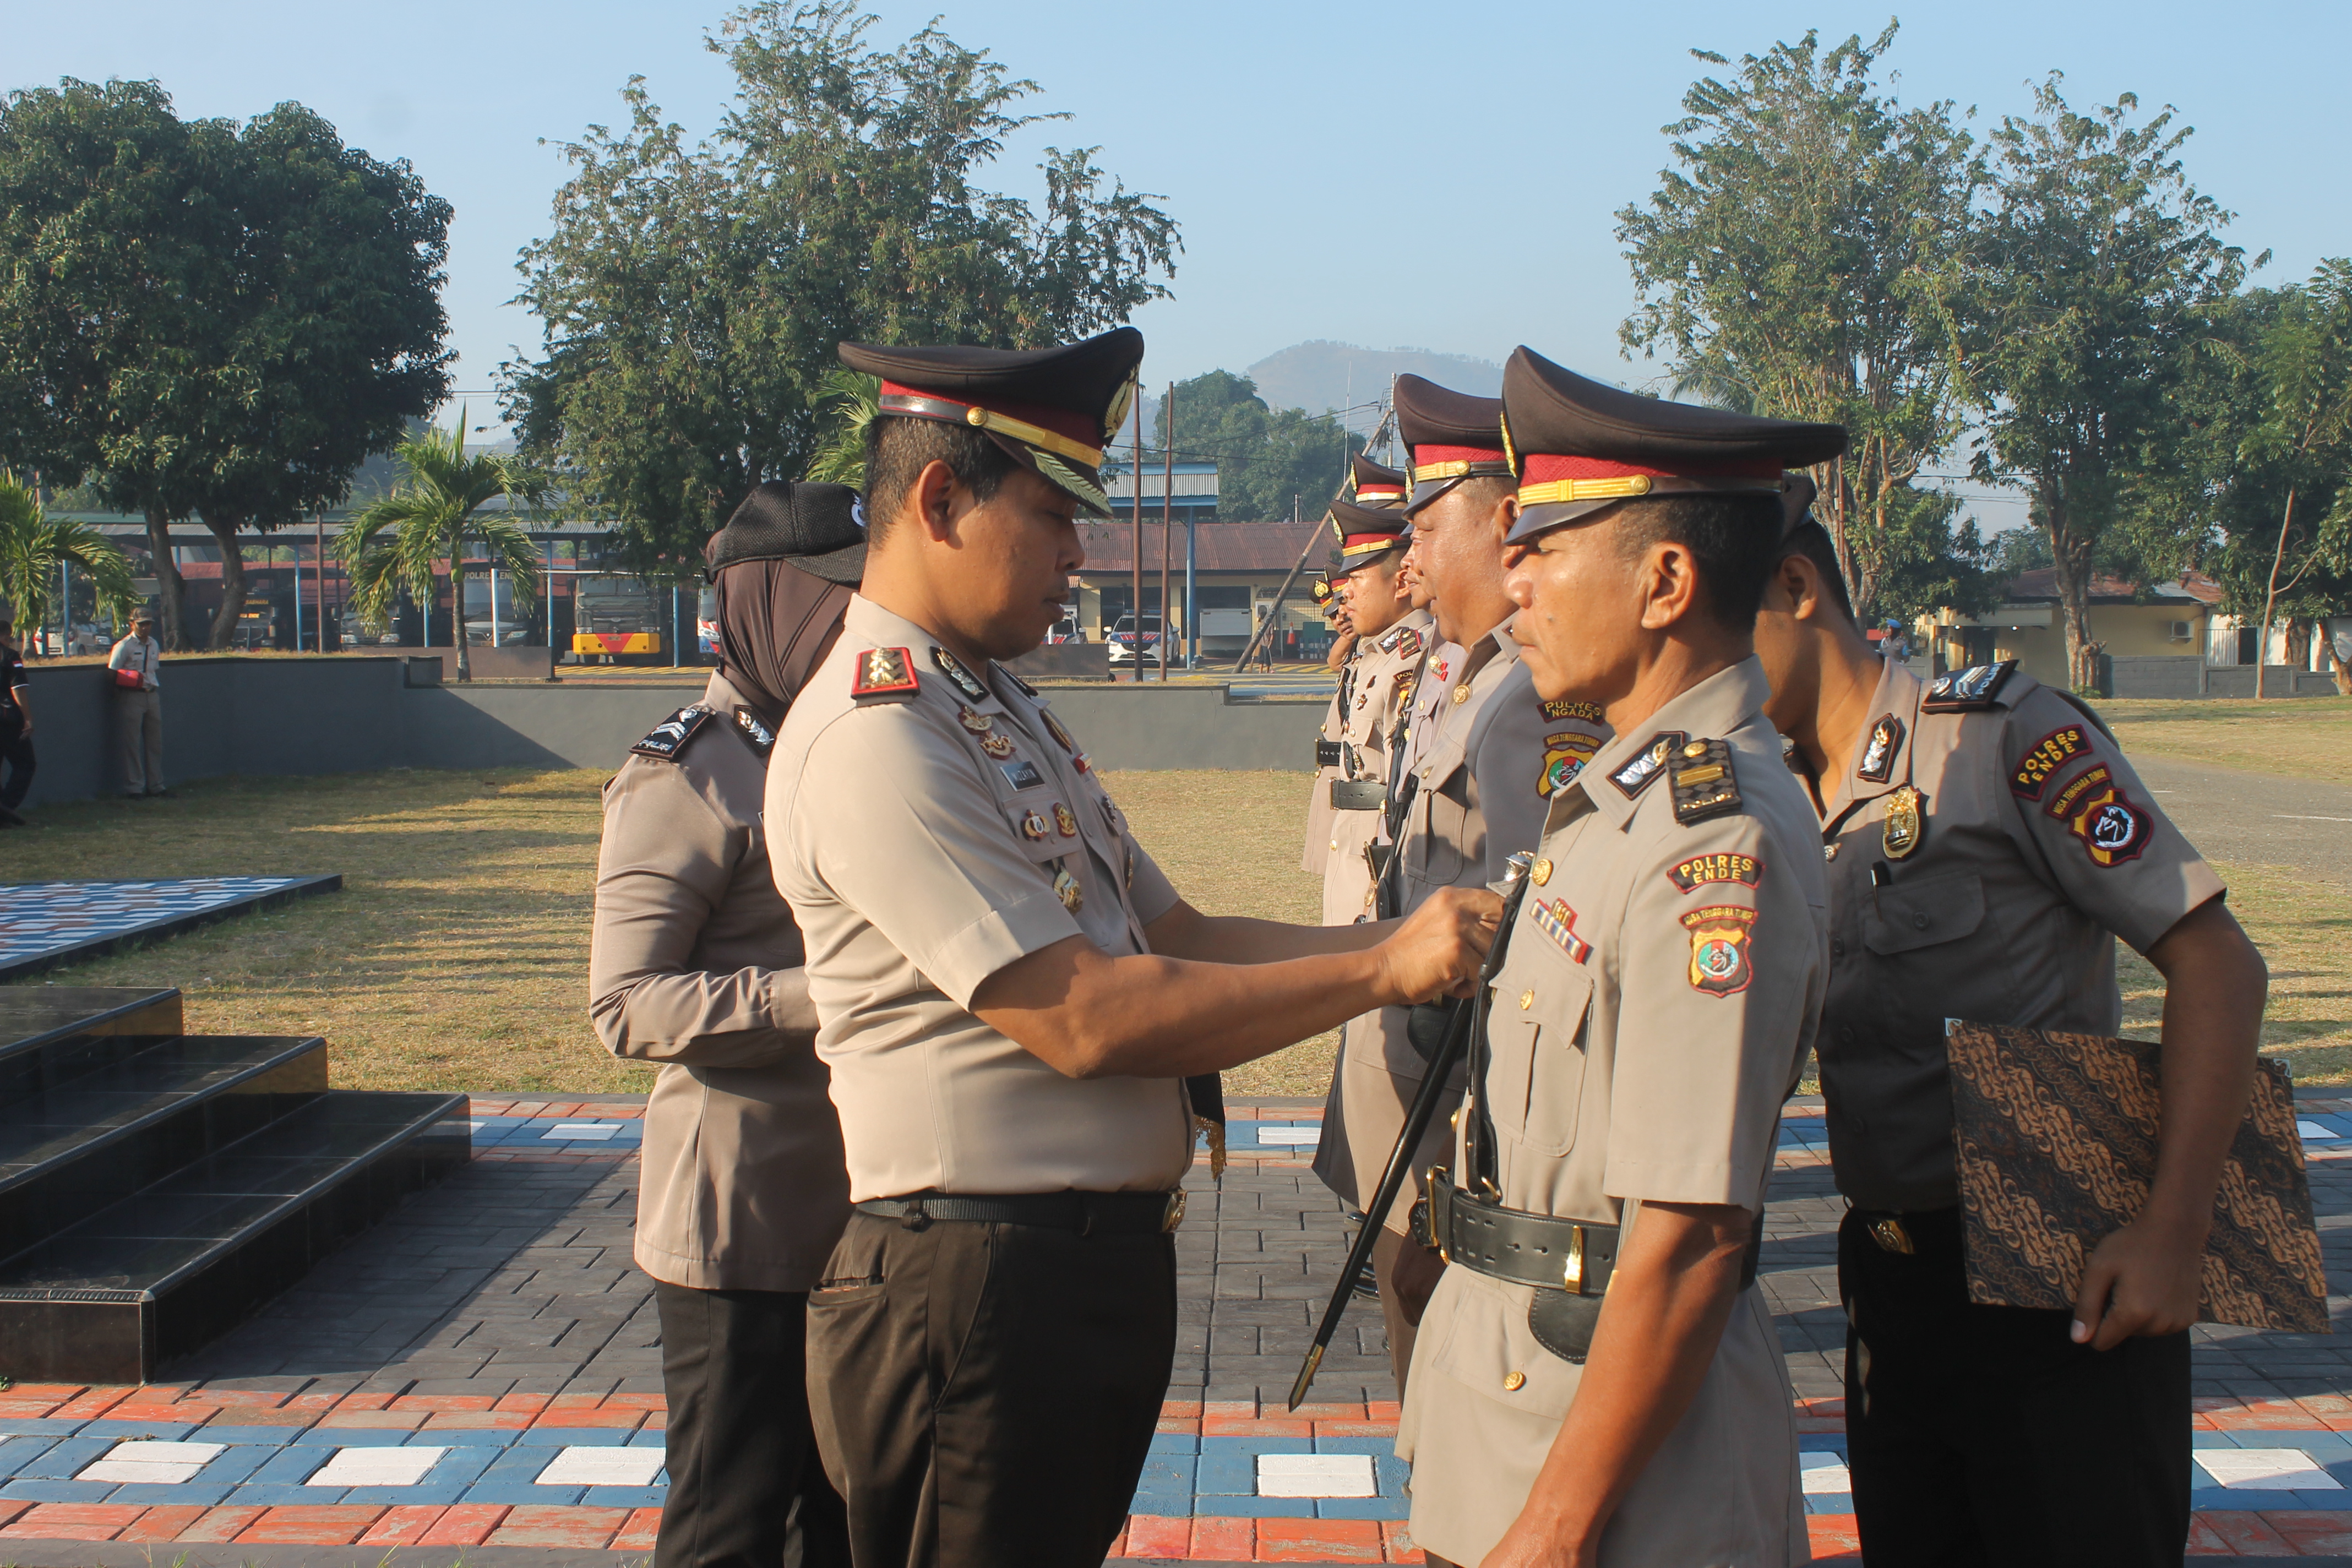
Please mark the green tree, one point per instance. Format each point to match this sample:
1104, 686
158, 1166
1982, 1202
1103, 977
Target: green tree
1805, 261
1269, 461
396, 542
208, 319
692, 294
34, 545
2098, 268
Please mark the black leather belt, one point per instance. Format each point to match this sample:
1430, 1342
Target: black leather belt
1088, 1213
1358, 794
1538, 1249
1327, 753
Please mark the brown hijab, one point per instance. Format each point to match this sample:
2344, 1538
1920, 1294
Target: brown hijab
776, 624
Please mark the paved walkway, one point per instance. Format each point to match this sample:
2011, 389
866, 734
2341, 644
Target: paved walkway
482, 1372
2231, 816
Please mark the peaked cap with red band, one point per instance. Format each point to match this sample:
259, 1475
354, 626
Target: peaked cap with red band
1052, 410
1453, 436
1365, 534
1375, 485
1579, 446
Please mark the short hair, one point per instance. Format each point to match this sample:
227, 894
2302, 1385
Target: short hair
1812, 541
898, 448
1732, 539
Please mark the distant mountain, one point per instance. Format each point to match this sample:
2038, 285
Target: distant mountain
1321, 374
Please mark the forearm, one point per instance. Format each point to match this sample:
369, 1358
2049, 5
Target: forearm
751, 1017
2215, 986
1088, 1014
1236, 939
1668, 1300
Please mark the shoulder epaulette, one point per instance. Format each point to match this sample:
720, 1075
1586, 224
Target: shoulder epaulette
884, 675
1703, 784
669, 737
1026, 688
755, 732
1967, 691
962, 679
1648, 763
1409, 643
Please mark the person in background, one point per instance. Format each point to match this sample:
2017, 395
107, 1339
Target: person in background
139, 709
696, 966
15, 726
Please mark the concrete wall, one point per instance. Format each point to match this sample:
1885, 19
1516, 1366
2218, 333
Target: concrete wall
358, 714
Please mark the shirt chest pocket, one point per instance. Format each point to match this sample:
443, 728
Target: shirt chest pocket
1445, 798
1535, 1034
1047, 830
1908, 916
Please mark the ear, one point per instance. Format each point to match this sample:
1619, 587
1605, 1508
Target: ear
933, 499
1668, 584
1505, 515
1800, 581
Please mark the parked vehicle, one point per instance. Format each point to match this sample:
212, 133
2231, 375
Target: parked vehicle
1067, 629
1122, 640
614, 618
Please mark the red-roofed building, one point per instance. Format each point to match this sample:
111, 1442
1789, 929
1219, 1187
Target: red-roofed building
1237, 567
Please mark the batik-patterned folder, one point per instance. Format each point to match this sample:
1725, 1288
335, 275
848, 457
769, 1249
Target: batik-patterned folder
2057, 1146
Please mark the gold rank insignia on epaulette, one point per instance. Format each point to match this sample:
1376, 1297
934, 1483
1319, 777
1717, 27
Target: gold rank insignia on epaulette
964, 680
884, 675
1967, 691
1700, 773
1409, 645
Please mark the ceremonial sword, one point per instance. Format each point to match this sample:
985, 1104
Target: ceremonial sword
1467, 1016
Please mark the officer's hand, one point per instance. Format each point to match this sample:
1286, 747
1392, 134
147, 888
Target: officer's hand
1437, 951
2145, 1278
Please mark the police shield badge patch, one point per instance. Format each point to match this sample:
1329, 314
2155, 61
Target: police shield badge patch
1565, 754
1720, 963
2110, 829
1905, 825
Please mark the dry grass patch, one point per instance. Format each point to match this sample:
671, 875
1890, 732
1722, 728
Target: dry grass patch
2301, 737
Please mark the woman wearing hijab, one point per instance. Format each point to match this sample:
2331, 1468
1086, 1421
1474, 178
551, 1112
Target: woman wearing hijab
695, 965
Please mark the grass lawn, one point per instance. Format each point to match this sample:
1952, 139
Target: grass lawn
2298, 737
457, 955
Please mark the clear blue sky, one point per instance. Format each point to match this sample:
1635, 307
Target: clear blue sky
1441, 176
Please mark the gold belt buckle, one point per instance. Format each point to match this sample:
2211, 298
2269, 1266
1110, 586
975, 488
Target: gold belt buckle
1891, 1236
1173, 1215
1572, 1272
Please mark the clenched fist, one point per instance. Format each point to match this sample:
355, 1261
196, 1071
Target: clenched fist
1437, 951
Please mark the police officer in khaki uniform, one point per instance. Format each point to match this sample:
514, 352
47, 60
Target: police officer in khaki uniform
1597, 1381
1471, 794
695, 965
1376, 689
1373, 487
1988, 841
1009, 992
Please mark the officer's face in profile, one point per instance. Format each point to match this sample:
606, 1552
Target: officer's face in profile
999, 570
1373, 601
1455, 540
1580, 599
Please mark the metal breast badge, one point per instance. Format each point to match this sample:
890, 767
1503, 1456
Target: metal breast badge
1905, 824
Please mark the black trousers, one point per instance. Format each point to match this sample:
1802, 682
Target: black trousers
746, 1489
1984, 1435
985, 1395
16, 753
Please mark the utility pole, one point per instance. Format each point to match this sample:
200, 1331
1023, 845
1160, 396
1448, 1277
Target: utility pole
319, 518
1136, 473
1167, 524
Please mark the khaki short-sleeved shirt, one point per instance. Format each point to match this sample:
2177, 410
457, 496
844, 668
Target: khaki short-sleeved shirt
1377, 702
1482, 780
2037, 841
694, 965
1652, 1014
925, 839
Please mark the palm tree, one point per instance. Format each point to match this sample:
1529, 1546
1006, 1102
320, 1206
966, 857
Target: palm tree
393, 542
850, 402
34, 545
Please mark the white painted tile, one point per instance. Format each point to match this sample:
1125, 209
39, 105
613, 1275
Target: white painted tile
375, 1467
1823, 1475
2266, 1470
604, 1467
2311, 1131
581, 1132
1316, 1474
153, 1464
1268, 1136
